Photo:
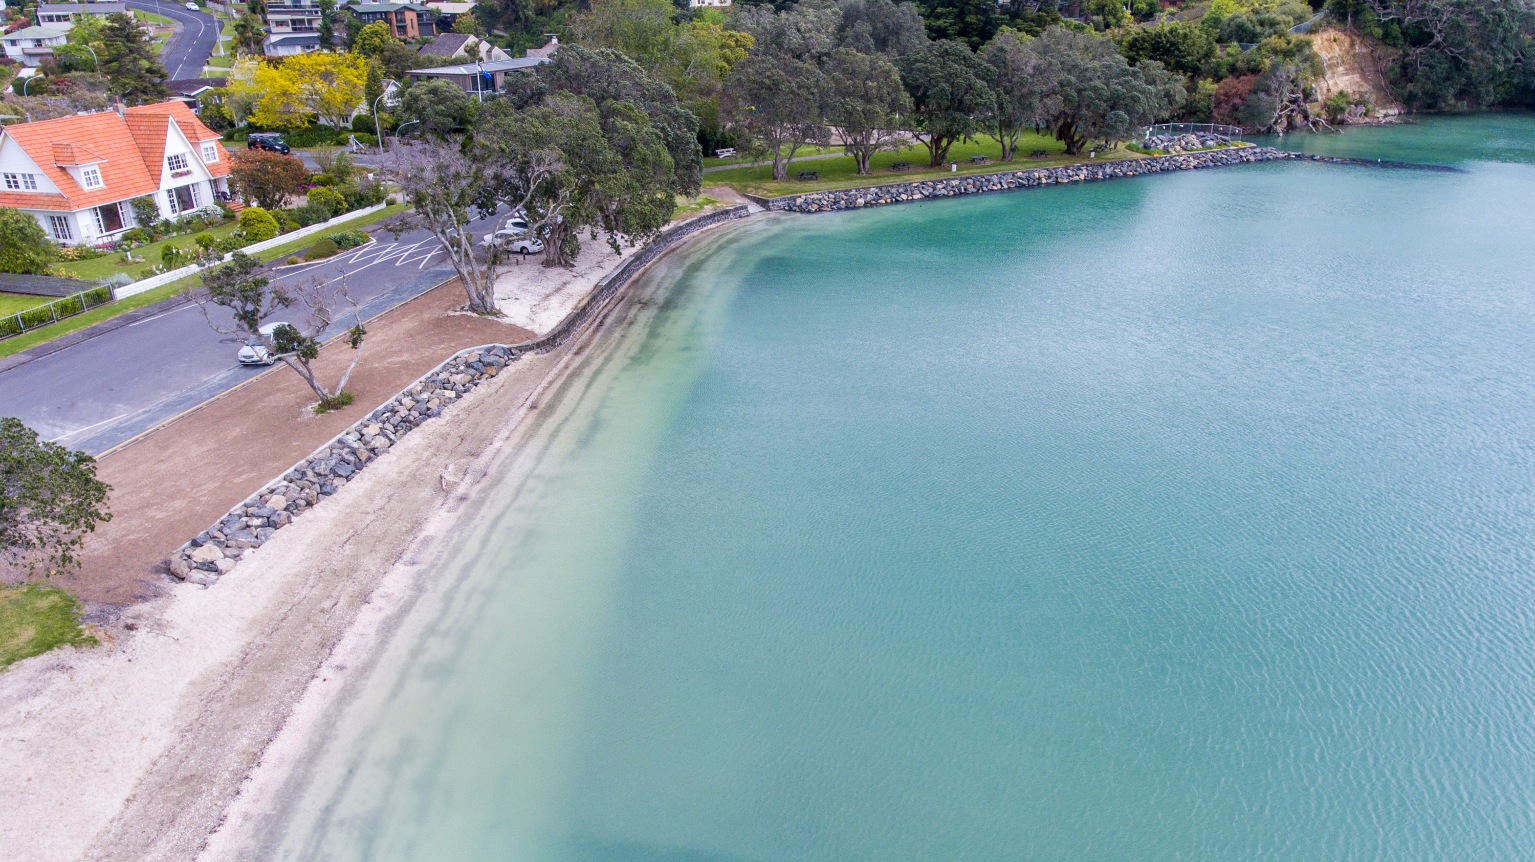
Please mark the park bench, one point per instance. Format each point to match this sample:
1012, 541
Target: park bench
808, 176
725, 153
900, 166
976, 160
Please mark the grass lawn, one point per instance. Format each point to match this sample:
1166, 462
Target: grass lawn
157, 20
35, 619
691, 206
21, 342
841, 173
109, 265
225, 62
710, 161
13, 303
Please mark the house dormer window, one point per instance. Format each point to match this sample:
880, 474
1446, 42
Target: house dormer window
21, 182
90, 177
210, 153
177, 162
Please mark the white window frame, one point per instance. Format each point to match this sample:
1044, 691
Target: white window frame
90, 177
170, 198
210, 152
21, 182
171, 162
60, 227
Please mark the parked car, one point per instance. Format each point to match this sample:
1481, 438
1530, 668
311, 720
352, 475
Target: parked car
192, 6
256, 352
515, 240
267, 141
515, 222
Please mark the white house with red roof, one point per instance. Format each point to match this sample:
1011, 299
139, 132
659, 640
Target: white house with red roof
76, 175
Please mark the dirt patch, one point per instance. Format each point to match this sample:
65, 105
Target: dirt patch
174, 482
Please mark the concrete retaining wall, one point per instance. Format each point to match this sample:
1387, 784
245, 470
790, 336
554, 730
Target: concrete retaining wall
246, 527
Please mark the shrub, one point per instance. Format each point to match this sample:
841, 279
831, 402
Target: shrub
349, 239
227, 244
293, 261
171, 256
286, 222
145, 211
322, 249
367, 139
364, 194
331, 199
312, 212
205, 240
135, 235
257, 224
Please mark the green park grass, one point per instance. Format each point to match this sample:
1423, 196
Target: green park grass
841, 172
12, 346
157, 20
35, 619
225, 62
15, 303
691, 206
743, 159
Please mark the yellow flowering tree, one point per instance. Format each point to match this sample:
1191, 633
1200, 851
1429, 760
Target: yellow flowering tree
286, 95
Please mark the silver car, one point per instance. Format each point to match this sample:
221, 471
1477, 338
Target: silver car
255, 352
511, 239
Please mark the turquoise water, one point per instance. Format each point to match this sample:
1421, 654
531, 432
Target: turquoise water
1185, 518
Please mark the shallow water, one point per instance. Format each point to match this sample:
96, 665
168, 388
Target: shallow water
1182, 518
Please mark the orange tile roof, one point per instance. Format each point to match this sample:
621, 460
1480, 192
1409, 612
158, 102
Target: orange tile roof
73, 155
129, 149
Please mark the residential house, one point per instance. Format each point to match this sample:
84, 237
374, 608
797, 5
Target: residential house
448, 13
61, 16
450, 45
478, 79
31, 45
76, 175
547, 51
187, 90
406, 20
292, 25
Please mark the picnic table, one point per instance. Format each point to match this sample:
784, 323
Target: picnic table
900, 166
725, 153
975, 160
808, 176
1038, 154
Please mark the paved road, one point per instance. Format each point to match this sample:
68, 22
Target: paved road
187, 52
102, 391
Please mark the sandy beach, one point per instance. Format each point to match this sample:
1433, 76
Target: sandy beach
137, 748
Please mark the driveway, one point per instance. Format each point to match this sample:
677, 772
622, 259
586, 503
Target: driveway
125, 379
197, 34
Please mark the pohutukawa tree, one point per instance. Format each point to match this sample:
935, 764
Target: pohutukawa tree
1017, 89
251, 297
778, 99
864, 98
950, 95
1089, 92
49, 499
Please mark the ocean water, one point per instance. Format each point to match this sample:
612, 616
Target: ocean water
1183, 518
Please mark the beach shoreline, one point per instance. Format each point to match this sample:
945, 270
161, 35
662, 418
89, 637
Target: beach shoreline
137, 749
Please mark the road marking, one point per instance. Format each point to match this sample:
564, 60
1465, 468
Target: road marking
79, 431
161, 314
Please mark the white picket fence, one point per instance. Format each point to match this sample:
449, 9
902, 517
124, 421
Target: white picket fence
163, 278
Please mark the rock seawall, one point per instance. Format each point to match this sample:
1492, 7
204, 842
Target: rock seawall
921, 190
216, 550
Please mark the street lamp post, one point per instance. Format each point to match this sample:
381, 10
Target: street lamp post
400, 128
377, 129
95, 58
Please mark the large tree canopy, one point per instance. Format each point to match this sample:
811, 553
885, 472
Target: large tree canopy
777, 100
608, 77
49, 499
949, 95
1090, 93
864, 98
1018, 89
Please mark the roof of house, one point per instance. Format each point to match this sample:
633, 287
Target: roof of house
87, 8
451, 8
446, 45
194, 86
365, 8
487, 66
35, 32
129, 151
547, 51
300, 39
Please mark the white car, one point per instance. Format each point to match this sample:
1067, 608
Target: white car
515, 240
516, 223
193, 6
255, 352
